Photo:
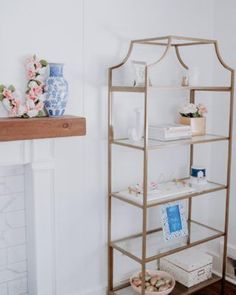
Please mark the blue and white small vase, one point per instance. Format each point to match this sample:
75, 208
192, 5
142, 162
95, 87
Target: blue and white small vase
56, 91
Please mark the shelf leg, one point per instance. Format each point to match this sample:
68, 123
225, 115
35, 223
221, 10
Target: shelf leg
192, 100
145, 182
110, 270
228, 178
110, 138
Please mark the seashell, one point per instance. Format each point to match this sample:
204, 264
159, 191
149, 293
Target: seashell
160, 283
150, 289
137, 282
154, 280
147, 278
168, 281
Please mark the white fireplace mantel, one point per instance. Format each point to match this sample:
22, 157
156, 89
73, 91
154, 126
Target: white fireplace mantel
37, 156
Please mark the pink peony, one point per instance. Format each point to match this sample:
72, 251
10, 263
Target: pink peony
31, 73
202, 109
37, 90
7, 93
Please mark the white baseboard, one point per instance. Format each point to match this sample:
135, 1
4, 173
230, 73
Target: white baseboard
216, 270
228, 279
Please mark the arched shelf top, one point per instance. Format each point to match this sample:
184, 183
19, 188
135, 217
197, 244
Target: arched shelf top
176, 42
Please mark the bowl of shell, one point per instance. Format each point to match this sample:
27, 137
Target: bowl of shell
156, 282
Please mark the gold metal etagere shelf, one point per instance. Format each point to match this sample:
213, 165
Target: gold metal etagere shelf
199, 233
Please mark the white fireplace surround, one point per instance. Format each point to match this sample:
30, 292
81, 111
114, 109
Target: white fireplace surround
37, 158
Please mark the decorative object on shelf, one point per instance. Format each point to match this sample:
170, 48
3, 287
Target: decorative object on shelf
173, 220
194, 74
198, 175
136, 133
56, 91
189, 267
156, 282
193, 115
185, 81
158, 191
34, 100
167, 132
137, 189
139, 73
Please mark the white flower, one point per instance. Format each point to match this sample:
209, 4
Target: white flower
41, 78
189, 109
30, 104
42, 97
21, 110
32, 113
33, 84
42, 71
6, 104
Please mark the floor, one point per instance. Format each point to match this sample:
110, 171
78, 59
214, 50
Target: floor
215, 290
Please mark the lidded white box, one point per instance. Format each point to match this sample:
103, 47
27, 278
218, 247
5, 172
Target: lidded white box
189, 267
167, 132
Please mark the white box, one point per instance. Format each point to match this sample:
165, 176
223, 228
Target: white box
189, 267
169, 132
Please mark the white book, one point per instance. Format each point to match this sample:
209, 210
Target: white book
169, 132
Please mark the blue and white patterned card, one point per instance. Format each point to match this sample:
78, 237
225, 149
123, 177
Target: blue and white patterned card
173, 220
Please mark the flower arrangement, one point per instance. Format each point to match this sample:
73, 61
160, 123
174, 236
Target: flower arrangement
193, 111
35, 92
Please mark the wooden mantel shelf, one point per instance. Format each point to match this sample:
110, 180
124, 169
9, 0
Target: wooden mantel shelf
44, 127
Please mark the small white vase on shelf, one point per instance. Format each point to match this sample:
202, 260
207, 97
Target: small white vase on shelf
198, 125
136, 133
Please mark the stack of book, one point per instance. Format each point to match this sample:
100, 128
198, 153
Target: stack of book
169, 132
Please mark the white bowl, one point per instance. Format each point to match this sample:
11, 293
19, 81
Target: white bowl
154, 273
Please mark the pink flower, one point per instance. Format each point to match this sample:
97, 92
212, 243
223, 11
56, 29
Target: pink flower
31, 73
30, 60
7, 93
37, 65
202, 109
31, 96
37, 90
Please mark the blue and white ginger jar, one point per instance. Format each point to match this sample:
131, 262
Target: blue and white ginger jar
56, 91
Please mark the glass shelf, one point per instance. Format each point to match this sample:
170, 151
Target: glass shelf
157, 144
179, 289
197, 88
157, 199
157, 247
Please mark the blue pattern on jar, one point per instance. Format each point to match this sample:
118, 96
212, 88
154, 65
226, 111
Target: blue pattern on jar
56, 91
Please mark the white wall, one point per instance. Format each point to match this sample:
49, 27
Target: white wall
224, 23
88, 36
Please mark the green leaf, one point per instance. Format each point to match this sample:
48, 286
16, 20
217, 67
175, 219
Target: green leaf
12, 88
2, 88
1, 96
43, 62
41, 114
